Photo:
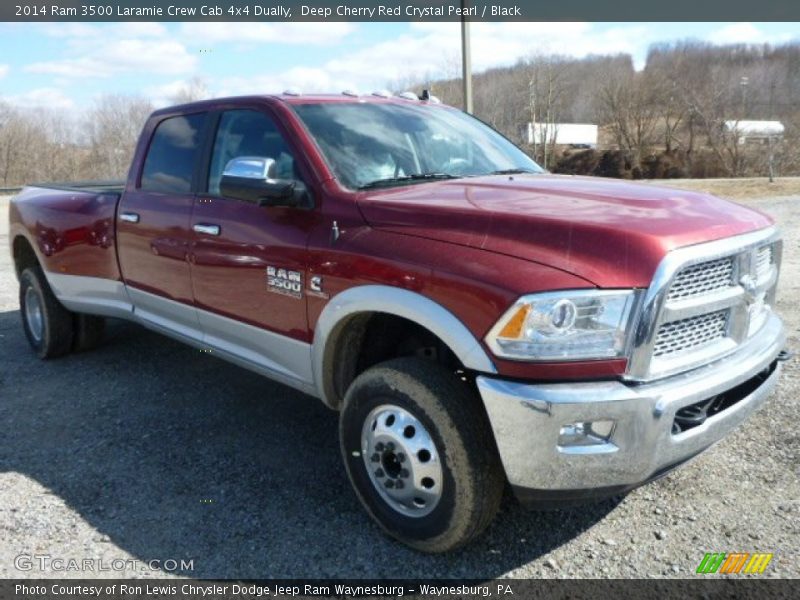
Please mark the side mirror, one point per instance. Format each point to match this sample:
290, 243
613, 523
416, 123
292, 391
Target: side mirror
252, 179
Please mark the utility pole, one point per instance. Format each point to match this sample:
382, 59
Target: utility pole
770, 149
744, 82
770, 158
466, 60
532, 97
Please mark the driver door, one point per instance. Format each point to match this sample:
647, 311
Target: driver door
240, 248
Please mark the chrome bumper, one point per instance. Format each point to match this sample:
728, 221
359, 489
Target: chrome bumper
527, 420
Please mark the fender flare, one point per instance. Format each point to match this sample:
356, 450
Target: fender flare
16, 231
394, 301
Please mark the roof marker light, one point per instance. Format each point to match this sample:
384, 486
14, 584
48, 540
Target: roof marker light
428, 97
382, 94
292, 91
408, 96
352, 93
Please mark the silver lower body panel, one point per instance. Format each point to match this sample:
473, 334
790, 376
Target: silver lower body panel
281, 358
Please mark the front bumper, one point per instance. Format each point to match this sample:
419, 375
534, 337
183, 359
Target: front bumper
527, 420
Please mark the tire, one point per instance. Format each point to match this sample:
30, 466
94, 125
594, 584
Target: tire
47, 324
449, 423
88, 332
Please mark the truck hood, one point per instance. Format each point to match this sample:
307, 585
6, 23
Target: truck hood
609, 232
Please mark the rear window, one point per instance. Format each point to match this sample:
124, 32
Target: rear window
171, 158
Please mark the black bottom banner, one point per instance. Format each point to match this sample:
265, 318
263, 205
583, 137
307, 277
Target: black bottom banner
188, 589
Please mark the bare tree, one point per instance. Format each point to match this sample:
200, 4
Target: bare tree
23, 138
6, 141
712, 106
677, 105
60, 155
113, 126
627, 106
192, 90
545, 97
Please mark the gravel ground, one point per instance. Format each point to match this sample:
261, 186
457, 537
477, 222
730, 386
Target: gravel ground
146, 449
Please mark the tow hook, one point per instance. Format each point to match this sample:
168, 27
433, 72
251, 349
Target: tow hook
693, 415
785, 355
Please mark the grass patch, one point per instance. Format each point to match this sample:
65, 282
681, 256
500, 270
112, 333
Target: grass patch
737, 189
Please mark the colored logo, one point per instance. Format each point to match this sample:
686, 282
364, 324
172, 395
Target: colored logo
734, 562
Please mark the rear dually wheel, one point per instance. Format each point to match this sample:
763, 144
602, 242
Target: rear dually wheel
47, 324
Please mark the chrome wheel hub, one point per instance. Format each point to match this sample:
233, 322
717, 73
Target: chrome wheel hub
402, 461
33, 314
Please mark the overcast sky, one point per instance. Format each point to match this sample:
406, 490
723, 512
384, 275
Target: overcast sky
66, 65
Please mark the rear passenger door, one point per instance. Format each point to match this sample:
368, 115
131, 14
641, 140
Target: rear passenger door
240, 248
153, 226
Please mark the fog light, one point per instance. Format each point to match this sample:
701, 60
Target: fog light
586, 433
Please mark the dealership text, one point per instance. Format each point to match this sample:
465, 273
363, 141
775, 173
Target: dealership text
211, 589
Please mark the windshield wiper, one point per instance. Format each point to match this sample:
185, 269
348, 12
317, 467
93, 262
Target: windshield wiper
389, 181
513, 172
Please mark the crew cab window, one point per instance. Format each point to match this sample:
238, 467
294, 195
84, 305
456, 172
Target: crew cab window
171, 157
248, 133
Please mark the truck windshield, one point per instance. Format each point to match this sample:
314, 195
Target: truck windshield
387, 144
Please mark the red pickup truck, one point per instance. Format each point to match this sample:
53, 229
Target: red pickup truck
476, 321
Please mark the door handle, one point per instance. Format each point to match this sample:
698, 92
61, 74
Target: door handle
130, 217
206, 228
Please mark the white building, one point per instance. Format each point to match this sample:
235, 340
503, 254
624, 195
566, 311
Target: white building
755, 131
582, 135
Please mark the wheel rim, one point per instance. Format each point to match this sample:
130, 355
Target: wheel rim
402, 460
33, 314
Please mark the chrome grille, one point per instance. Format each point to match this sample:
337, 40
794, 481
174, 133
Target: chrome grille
705, 301
691, 334
763, 262
702, 278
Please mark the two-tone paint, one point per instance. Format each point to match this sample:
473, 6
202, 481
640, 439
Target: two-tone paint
451, 255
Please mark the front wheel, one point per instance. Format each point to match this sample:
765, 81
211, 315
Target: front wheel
420, 454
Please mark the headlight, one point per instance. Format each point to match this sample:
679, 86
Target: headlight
566, 325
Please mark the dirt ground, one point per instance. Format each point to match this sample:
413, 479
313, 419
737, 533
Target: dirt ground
146, 449
738, 189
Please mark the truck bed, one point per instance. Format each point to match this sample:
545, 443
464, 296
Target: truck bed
96, 187
71, 226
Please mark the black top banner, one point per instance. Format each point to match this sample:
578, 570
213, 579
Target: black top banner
399, 10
